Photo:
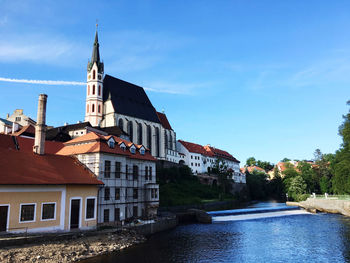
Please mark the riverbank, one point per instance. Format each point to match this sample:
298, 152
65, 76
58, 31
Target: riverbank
75, 249
315, 205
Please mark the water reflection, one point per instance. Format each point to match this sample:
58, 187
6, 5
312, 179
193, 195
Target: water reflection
300, 238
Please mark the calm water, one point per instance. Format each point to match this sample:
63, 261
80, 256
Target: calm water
297, 238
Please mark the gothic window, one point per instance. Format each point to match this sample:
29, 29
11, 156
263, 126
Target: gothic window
165, 140
139, 133
93, 74
121, 124
93, 107
171, 142
93, 89
99, 90
99, 108
149, 137
130, 130
157, 142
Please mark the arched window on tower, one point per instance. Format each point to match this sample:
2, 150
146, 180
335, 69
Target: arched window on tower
130, 130
157, 142
121, 124
139, 133
93, 74
171, 142
149, 138
88, 89
99, 108
93, 89
99, 90
87, 108
93, 108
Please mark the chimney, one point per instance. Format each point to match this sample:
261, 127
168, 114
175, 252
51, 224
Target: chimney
40, 127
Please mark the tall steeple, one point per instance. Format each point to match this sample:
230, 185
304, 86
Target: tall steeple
95, 51
94, 89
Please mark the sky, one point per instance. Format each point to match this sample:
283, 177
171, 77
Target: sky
268, 79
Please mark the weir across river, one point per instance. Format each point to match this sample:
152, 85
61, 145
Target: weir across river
256, 213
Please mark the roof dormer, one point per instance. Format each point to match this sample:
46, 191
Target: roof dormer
122, 145
133, 149
111, 142
142, 150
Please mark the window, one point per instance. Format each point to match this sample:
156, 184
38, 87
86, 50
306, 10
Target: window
106, 215
107, 194
150, 173
126, 193
116, 214
117, 169
93, 108
142, 151
135, 172
157, 142
117, 194
90, 208
111, 143
48, 211
191, 164
146, 173
139, 133
18, 119
149, 137
191, 157
155, 193
99, 90
126, 212
171, 142
126, 171
99, 108
135, 193
107, 169
27, 213
165, 140
93, 74
93, 89
132, 150
130, 130
121, 124
134, 211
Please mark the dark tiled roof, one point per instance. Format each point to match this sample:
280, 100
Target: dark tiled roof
128, 99
60, 134
6, 121
114, 130
164, 120
195, 148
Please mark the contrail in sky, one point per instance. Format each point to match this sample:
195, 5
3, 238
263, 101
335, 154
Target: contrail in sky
44, 82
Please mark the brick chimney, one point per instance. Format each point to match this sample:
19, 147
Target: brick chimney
40, 127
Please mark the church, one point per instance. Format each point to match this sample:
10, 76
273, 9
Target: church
112, 102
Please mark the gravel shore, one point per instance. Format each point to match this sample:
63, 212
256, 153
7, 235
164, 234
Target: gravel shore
72, 250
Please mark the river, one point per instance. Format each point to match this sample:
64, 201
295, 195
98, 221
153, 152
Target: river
292, 238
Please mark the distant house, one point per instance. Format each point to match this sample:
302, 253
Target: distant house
44, 192
128, 171
19, 117
5, 126
202, 159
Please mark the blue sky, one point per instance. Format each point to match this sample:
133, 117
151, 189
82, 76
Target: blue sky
268, 79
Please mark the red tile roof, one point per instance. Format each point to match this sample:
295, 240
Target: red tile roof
28, 130
251, 169
20, 167
92, 143
164, 120
220, 153
195, 148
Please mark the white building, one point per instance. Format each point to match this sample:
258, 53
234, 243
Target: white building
113, 102
201, 159
127, 170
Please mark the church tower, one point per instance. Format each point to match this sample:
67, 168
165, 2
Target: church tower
94, 90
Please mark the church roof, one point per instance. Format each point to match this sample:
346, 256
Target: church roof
164, 120
128, 99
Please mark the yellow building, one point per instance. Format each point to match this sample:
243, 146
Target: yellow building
44, 192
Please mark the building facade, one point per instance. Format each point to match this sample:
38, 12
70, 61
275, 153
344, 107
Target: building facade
128, 172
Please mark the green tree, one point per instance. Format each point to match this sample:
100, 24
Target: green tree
224, 175
267, 166
309, 176
251, 161
284, 160
297, 187
341, 164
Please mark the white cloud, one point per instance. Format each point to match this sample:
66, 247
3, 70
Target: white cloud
174, 88
44, 82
